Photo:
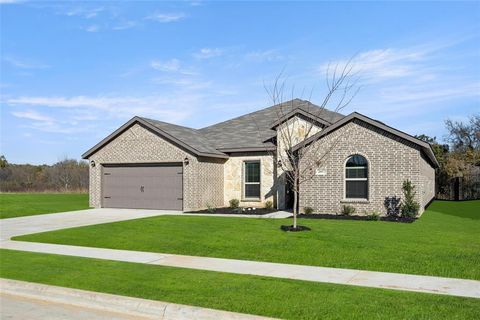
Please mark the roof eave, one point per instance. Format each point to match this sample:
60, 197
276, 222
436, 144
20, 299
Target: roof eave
248, 149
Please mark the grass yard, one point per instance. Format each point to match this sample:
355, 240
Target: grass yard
28, 204
239, 293
445, 241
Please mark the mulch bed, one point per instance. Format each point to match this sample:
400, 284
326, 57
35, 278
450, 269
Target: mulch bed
361, 218
257, 211
297, 229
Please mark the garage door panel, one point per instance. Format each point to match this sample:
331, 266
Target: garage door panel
147, 187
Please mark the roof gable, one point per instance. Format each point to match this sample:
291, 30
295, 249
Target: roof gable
184, 137
302, 114
426, 148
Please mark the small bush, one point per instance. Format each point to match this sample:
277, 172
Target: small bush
234, 203
373, 216
211, 208
269, 204
347, 210
409, 206
308, 210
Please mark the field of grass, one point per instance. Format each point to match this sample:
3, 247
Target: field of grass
27, 204
445, 241
272, 297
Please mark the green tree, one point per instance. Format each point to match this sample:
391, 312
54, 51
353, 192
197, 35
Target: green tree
439, 150
3, 161
409, 206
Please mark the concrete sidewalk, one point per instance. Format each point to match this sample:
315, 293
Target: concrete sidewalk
395, 281
54, 221
26, 300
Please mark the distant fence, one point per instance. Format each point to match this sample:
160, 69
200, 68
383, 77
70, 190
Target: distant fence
459, 188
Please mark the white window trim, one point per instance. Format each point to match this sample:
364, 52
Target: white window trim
259, 198
345, 179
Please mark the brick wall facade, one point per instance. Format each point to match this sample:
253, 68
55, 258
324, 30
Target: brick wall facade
216, 181
391, 161
427, 176
202, 178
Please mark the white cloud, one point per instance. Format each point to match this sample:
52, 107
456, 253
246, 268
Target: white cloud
24, 63
376, 65
436, 92
125, 25
167, 17
10, 1
206, 53
32, 115
168, 108
406, 86
171, 65
264, 55
401, 83
86, 13
196, 3
92, 28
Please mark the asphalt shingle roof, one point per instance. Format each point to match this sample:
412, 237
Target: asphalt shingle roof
253, 130
189, 136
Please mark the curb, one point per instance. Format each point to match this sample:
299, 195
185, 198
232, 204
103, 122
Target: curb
114, 303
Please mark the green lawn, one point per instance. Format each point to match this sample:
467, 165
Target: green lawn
445, 241
27, 204
240, 293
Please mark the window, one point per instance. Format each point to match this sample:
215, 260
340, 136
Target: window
251, 179
356, 178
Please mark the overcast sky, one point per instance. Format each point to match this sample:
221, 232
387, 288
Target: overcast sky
72, 72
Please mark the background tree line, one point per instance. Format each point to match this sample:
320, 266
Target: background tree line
460, 157
68, 175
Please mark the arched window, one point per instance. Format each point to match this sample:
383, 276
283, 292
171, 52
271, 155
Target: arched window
356, 177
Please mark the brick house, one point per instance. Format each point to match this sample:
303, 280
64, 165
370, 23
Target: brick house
157, 165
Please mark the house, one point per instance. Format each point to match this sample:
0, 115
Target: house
157, 165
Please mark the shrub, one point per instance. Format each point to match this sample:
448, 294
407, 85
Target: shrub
409, 206
373, 216
211, 208
392, 204
347, 210
234, 203
269, 204
308, 210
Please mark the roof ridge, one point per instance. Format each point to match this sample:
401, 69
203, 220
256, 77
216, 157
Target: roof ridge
150, 120
253, 112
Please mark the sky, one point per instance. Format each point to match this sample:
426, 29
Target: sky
73, 72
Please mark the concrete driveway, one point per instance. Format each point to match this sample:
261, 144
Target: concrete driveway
54, 221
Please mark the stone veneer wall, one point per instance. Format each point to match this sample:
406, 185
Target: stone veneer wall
391, 161
295, 130
233, 180
140, 145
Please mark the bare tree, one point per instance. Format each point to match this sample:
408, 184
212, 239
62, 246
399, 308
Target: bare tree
297, 158
68, 175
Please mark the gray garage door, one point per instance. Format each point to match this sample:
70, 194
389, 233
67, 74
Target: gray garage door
143, 187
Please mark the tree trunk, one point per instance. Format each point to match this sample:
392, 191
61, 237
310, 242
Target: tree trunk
295, 199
